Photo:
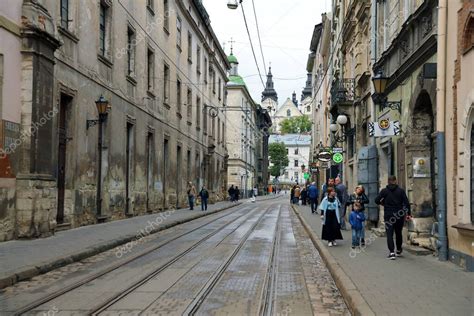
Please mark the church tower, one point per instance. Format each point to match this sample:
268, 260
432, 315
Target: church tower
308, 89
269, 92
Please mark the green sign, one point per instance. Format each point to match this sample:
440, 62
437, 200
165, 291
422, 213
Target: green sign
337, 158
306, 176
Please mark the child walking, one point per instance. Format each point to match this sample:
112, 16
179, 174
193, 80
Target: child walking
356, 220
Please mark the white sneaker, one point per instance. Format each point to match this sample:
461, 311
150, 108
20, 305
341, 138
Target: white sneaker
334, 243
329, 244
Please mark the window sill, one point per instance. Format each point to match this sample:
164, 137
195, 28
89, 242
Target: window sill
68, 34
105, 60
151, 94
131, 79
465, 229
150, 10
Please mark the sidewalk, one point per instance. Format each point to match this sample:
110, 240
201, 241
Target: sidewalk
410, 285
23, 259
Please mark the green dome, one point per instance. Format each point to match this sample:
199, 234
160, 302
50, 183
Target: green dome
237, 80
232, 59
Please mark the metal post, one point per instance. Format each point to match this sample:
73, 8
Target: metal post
99, 168
442, 236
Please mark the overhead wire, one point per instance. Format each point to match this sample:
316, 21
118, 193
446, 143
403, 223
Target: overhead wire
258, 33
251, 45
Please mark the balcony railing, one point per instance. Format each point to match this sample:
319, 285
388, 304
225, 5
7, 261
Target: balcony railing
342, 92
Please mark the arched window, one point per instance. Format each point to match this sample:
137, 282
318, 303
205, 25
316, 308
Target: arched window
468, 36
288, 112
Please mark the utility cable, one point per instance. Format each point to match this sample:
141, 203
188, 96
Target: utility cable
258, 33
251, 45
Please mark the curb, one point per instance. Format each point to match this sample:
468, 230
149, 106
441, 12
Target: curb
44, 267
354, 300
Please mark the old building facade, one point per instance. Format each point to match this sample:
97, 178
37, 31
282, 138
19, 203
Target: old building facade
459, 120
243, 136
427, 101
161, 69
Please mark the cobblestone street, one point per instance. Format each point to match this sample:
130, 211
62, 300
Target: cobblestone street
250, 259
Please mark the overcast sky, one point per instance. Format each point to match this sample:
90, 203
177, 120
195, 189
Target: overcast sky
286, 28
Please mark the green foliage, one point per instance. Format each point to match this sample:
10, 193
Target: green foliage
278, 157
294, 125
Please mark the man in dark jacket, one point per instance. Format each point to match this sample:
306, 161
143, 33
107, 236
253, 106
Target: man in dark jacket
313, 197
343, 197
396, 208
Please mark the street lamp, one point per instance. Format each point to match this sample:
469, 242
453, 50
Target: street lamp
233, 4
342, 121
103, 108
380, 97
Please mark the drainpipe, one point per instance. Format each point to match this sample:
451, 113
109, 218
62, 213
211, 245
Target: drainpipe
440, 129
373, 53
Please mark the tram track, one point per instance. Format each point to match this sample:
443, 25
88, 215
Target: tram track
67, 289
97, 310
209, 286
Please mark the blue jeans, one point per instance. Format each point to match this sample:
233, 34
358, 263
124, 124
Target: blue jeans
191, 201
314, 204
356, 236
204, 204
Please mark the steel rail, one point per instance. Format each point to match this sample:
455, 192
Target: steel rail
268, 293
209, 286
96, 310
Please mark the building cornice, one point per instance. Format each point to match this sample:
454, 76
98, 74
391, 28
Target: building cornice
9, 25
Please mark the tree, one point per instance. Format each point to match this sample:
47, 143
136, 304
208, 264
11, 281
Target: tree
278, 157
293, 125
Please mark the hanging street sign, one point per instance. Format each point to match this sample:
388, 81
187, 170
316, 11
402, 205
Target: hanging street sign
324, 156
337, 158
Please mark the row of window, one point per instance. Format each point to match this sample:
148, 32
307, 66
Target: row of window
104, 51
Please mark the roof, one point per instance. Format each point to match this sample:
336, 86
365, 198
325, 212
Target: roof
232, 59
236, 80
291, 139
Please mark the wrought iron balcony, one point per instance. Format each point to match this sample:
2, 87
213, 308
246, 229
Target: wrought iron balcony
342, 92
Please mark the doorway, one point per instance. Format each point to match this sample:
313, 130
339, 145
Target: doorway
64, 105
128, 168
165, 169
149, 169
178, 175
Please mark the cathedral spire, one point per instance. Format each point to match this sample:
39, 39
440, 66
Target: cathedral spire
308, 89
269, 92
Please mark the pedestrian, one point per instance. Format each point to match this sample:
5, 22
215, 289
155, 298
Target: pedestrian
359, 196
236, 194
356, 219
254, 194
396, 209
231, 192
297, 196
204, 194
331, 220
313, 197
191, 195
329, 184
292, 194
343, 197
304, 195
